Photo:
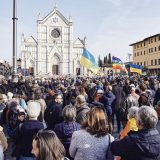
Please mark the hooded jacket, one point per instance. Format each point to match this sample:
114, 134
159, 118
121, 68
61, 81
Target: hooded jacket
108, 99
142, 145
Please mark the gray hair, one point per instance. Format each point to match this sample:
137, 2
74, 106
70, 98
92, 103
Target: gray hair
133, 112
147, 117
69, 113
80, 99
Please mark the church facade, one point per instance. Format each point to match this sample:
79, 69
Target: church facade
54, 51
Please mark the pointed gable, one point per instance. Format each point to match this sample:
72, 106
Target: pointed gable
53, 13
30, 40
78, 42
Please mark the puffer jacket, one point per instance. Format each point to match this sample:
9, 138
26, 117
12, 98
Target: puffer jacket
142, 145
108, 99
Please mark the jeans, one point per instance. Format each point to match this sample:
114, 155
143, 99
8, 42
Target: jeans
27, 158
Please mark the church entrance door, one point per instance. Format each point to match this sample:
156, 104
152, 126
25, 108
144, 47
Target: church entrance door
77, 71
55, 69
31, 71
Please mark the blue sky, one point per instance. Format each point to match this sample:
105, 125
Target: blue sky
109, 25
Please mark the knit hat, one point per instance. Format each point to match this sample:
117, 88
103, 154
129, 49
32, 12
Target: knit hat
33, 109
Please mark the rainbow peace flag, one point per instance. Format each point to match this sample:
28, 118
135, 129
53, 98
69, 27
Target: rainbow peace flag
116, 63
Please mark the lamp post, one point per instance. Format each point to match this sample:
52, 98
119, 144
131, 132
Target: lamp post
14, 76
129, 59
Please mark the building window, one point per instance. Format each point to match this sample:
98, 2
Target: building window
141, 63
141, 44
151, 62
137, 53
144, 63
149, 50
159, 38
155, 39
144, 52
151, 40
134, 46
144, 43
159, 61
141, 52
137, 63
155, 62
159, 48
155, 49
137, 45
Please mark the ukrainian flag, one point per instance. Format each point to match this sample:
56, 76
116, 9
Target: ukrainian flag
136, 68
88, 61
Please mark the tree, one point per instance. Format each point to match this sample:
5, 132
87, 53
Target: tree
109, 59
99, 62
106, 59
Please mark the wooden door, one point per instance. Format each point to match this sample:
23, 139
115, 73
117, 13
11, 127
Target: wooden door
55, 69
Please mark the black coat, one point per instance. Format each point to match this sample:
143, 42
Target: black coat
53, 115
142, 145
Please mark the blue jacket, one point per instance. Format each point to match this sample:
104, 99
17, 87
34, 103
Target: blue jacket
141, 145
108, 100
64, 132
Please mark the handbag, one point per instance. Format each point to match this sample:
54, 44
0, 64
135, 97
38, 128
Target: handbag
109, 153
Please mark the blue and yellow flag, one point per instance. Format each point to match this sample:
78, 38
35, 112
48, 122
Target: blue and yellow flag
88, 61
136, 68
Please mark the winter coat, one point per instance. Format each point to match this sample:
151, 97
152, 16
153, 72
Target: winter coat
130, 126
53, 115
85, 146
23, 136
64, 132
142, 145
81, 113
118, 92
108, 100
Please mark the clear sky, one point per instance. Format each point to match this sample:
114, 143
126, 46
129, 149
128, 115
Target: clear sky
109, 25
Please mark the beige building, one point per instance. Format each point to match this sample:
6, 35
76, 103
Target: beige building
147, 53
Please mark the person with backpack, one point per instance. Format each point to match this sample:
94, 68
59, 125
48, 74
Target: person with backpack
144, 98
82, 109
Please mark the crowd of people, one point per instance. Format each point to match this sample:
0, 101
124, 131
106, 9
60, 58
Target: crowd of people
74, 118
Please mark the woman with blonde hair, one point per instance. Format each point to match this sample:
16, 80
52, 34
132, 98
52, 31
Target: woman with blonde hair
92, 142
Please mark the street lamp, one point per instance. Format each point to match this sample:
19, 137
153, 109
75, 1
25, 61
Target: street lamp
14, 75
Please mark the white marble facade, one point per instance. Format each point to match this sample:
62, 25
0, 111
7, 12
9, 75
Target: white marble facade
54, 51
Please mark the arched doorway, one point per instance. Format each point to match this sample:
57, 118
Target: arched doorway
55, 65
78, 70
